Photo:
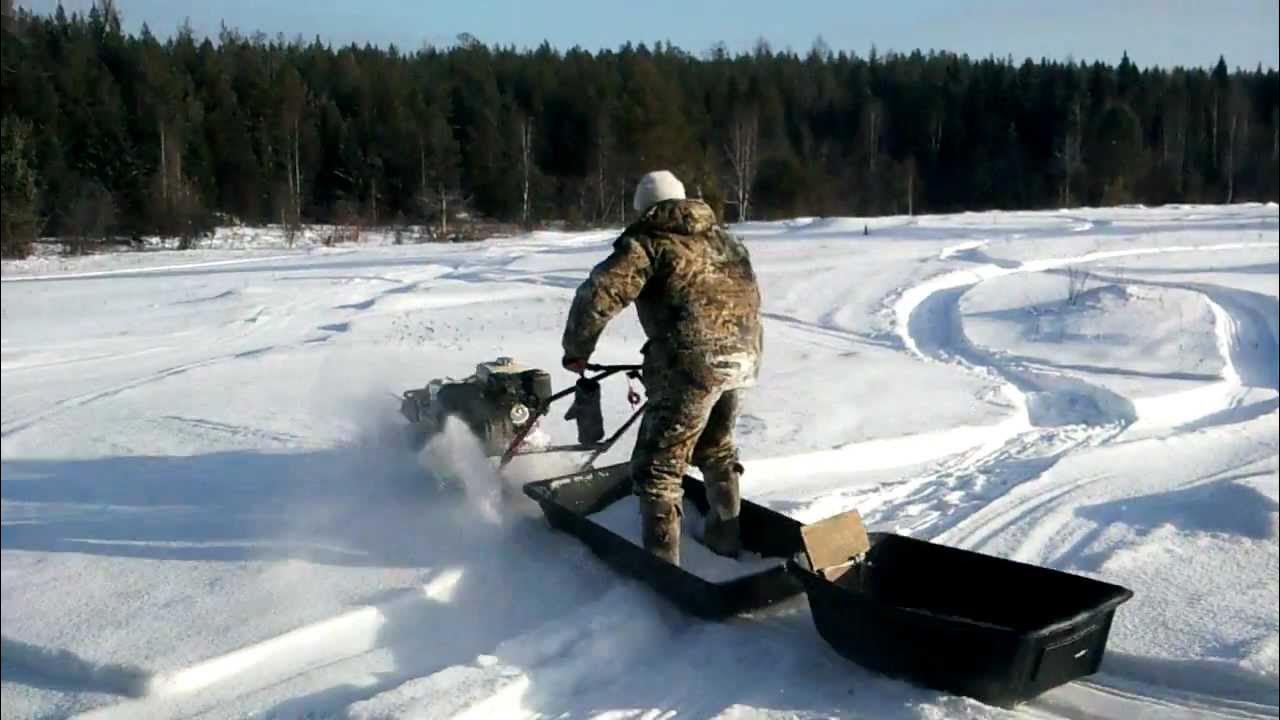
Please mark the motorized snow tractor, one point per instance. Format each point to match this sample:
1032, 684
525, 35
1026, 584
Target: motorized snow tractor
503, 402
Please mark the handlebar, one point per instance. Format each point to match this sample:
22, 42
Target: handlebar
603, 371
612, 368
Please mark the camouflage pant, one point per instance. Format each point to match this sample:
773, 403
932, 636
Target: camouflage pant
684, 422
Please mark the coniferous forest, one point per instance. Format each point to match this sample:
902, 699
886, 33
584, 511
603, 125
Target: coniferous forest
110, 135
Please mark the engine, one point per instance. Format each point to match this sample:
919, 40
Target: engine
496, 403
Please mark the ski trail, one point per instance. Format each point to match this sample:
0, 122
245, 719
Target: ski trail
144, 270
1039, 505
17, 426
10, 367
937, 336
1041, 522
1015, 494
246, 332
912, 298
1053, 413
928, 324
1110, 698
886, 453
1248, 340
1181, 408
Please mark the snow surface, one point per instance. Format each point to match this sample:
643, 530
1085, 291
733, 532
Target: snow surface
206, 511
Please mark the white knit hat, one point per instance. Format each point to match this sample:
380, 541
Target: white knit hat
655, 187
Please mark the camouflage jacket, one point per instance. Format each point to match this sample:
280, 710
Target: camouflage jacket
694, 290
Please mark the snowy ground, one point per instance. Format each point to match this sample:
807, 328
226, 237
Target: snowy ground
202, 517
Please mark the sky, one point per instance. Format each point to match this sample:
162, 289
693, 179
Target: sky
1153, 32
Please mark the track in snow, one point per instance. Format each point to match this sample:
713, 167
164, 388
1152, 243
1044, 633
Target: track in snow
144, 270
1052, 412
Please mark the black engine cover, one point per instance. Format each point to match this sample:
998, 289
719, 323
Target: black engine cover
495, 405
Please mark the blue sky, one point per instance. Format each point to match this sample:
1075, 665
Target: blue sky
1154, 32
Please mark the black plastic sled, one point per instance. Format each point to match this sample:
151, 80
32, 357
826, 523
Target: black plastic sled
996, 630
954, 620
569, 501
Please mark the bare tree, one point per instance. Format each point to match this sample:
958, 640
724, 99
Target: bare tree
526, 167
440, 200
1275, 134
295, 176
874, 121
937, 117
622, 202
90, 217
293, 101
744, 137
164, 161
347, 223
1231, 157
282, 204
911, 185
1071, 156
603, 161
19, 222
1214, 127
110, 14
1237, 128
435, 195
178, 210
1173, 140
170, 174
604, 198
190, 216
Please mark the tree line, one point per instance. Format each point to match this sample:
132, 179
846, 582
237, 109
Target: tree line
108, 134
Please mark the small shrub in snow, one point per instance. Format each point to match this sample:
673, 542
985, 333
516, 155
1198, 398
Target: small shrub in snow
1077, 284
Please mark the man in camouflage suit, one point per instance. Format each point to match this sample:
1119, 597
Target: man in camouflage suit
699, 304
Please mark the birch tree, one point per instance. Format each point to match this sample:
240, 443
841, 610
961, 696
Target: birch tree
741, 151
525, 127
293, 96
1070, 153
1238, 111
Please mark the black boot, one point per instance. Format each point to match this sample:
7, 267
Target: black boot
722, 529
660, 528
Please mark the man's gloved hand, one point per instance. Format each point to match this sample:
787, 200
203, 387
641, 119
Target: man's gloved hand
574, 365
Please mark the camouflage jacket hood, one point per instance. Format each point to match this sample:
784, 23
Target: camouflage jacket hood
676, 217
694, 289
